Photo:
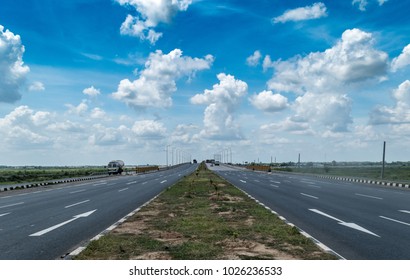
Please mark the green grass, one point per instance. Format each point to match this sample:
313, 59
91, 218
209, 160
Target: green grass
38, 174
203, 217
394, 173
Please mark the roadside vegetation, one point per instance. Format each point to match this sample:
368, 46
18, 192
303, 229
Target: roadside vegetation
203, 217
16, 175
391, 173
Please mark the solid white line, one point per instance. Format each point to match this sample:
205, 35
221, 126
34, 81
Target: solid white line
393, 220
163, 181
4, 214
123, 190
369, 196
75, 204
311, 196
10, 205
78, 191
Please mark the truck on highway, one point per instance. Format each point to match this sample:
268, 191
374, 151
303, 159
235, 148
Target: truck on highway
115, 167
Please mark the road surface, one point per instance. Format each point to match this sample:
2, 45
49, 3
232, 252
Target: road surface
50, 222
357, 221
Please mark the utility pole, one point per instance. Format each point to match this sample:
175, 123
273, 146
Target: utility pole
299, 161
384, 157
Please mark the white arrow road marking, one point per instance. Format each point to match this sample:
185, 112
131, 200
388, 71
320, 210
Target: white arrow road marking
4, 214
350, 225
404, 211
243, 181
393, 220
81, 202
47, 230
10, 205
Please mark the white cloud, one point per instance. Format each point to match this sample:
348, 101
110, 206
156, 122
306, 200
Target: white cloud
36, 86
79, 110
331, 111
184, 133
12, 69
317, 10
222, 101
254, 59
288, 125
402, 60
157, 81
400, 113
363, 3
149, 129
322, 79
151, 13
269, 102
98, 113
92, 91
267, 63
23, 127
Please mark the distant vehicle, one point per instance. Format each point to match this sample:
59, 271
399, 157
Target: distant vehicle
195, 161
115, 167
216, 162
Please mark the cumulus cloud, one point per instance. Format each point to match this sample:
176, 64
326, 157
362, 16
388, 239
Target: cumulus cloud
402, 60
157, 81
92, 91
322, 79
362, 4
268, 101
222, 101
79, 110
150, 14
267, 63
184, 133
12, 69
254, 59
36, 86
398, 114
23, 127
317, 10
287, 125
149, 129
98, 113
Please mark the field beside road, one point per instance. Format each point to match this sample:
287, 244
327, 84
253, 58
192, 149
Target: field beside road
203, 217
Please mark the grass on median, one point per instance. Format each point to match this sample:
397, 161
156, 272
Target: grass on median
203, 217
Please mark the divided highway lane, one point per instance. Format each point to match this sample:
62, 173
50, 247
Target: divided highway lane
50, 222
357, 221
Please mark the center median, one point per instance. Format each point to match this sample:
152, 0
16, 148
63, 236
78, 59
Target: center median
203, 217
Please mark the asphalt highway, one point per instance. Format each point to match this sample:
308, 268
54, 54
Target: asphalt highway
50, 222
355, 220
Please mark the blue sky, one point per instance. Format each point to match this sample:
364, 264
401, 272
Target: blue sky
84, 82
